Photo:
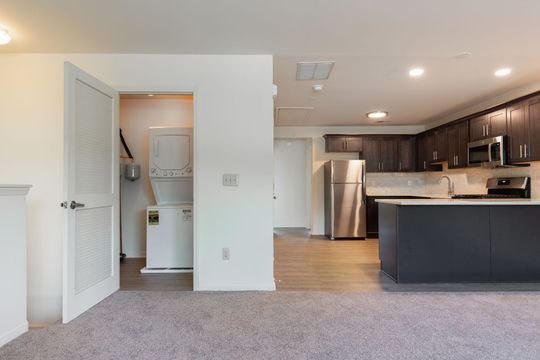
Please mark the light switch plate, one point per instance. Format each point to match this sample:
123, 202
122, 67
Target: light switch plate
231, 179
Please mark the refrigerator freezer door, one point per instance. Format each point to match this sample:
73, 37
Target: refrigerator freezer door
349, 211
347, 171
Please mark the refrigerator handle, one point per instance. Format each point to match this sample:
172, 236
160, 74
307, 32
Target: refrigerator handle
363, 184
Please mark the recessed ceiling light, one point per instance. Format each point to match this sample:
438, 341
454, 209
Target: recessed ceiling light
503, 72
319, 70
317, 87
377, 114
416, 72
5, 38
150, 95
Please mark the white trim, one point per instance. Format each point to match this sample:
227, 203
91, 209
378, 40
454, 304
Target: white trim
188, 89
13, 333
146, 270
239, 287
10, 190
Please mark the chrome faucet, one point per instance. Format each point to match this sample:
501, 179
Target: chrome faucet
450, 185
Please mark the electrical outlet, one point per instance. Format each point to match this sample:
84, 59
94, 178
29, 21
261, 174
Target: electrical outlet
231, 179
226, 254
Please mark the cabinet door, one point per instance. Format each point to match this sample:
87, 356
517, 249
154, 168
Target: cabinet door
463, 136
406, 154
533, 117
517, 132
477, 128
371, 154
441, 145
389, 155
453, 146
496, 123
421, 152
335, 144
430, 147
353, 144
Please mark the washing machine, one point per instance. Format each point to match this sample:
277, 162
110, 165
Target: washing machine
169, 223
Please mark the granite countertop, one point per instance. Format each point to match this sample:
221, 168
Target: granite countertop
447, 201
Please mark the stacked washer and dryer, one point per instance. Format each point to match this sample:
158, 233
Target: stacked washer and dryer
169, 223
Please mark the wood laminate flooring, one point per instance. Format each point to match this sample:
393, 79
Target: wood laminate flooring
315, 263
132, 279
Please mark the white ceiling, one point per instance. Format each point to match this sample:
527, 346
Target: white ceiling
374, 43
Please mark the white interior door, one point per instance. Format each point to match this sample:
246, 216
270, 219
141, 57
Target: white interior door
290, 183
91, 168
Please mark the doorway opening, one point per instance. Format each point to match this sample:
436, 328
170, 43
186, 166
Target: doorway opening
292, 183
156, 191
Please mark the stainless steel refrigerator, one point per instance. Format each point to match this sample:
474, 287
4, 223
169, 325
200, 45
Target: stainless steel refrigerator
345, 199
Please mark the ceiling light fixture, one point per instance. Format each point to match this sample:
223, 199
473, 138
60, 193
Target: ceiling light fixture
503, 72
5, 38
416, 72
150, 95
318, 70
317, 87
377, 114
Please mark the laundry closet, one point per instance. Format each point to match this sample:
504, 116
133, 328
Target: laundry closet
156, 189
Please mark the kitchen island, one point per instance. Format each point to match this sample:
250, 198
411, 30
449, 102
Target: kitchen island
446, 240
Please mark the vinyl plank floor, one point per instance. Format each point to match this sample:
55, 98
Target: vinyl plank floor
132, 279
314, 263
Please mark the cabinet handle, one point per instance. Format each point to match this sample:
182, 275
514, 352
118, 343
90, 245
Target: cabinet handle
400, 166
487, 129
457, 160
525, 150
424, 164
520, 151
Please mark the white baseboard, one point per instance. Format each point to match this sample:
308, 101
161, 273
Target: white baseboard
237, 287
13, 333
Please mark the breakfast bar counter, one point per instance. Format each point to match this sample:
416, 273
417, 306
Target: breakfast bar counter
448, 240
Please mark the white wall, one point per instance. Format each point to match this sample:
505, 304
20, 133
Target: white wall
290, 183
136, 116
233, 134
320, 157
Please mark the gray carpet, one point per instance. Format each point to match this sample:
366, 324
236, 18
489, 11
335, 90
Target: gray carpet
293, 325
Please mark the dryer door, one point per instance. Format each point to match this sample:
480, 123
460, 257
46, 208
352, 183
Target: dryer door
171, 152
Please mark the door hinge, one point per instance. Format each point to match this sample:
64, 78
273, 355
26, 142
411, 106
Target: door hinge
64, 204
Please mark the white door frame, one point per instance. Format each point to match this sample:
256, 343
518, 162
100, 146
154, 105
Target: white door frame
182, 90
309, 176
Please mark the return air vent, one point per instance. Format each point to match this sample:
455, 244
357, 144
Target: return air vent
315, 70
290, 116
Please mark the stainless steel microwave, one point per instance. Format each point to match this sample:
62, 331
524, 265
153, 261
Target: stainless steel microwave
488, 152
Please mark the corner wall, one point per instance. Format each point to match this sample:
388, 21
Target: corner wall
233, 134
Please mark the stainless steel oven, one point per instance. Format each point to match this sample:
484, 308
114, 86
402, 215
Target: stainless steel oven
488, 152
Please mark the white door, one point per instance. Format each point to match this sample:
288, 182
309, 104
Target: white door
291, 183
91, 184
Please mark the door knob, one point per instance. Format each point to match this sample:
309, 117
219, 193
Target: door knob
75, 205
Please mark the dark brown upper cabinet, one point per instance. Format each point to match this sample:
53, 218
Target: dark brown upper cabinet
524, 130
458, 138
517, 130
489, 125
381, 154
437, 145
421, 153
406, 154
343, 143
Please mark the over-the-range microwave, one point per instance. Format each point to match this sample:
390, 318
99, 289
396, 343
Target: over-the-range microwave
489, 152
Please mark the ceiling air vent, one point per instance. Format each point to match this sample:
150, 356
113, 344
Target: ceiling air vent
315, 70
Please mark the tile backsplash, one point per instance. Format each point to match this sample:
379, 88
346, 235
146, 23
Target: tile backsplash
466, 181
